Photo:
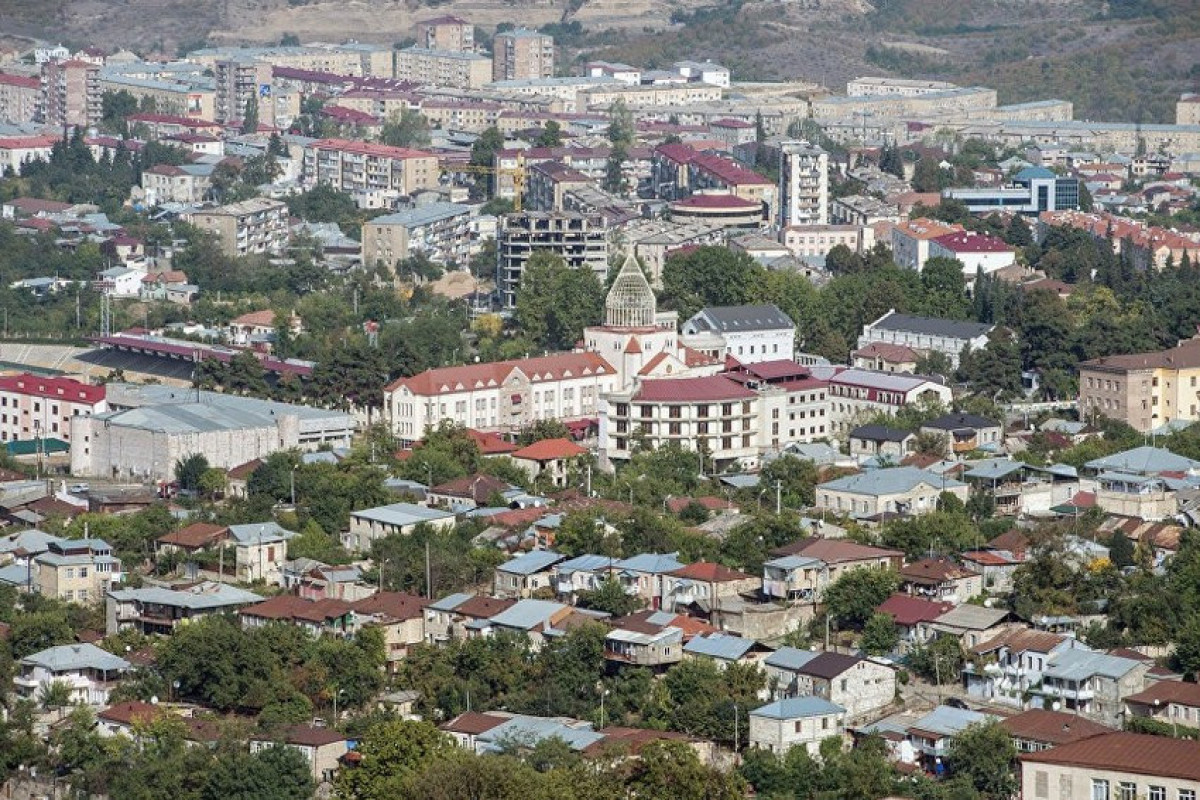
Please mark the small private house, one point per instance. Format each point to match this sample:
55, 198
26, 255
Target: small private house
260, 550
705, 582
549, 460
930, 735
401, 618
1041, 729
160, 609
858, 685
722, 649
315, 617
996, 566
322, 748
1012, 664
585, 573
644, 574
1172, 702
1092, 684
455, 616
881, 442
877, 493
89, 672
796, 721
940, 580
971, 625
192, 538
397, 518
794, 578
524, 575
909, 614
965, 433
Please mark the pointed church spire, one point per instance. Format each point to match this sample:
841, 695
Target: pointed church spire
630, 302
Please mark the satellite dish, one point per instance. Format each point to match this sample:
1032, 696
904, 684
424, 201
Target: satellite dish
1057, 706
154, 700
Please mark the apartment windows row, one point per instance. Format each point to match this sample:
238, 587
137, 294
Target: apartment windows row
1125, 790
1109, 385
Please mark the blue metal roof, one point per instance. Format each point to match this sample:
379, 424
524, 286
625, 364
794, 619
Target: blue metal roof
895, 480
585, 563
948, 720
790, 658
451, 602
652, 563
1144, 461
793, 562
531, 563
528, 731
719, 645
527, 614
795, 707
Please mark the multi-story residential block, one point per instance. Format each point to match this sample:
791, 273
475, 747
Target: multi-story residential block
376, 175
910, 241
522, 53
725, 210
581, 240
1034, 190
855, 393
187, 94
977, 252
160, 610
166, 183
803, 184
749, 334
926, 334
1143, 390
499, 396
713, 415
889, 491
33, 407
452, 69
257, 225
441, 231
88, 672
703, 72
17, 151
894, 87
818, 240
70, 94
1118, 764
20, 96
1012, 664
547, 182
76, 570
446, 33
238, 82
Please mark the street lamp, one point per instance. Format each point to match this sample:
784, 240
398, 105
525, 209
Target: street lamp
293, 484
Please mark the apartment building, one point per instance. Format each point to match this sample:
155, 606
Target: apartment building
818, 240
70, 94
257, 225
1114, 765
713, 413
166, 183
894, 87
581, 240
33, 407
856, 393
238, 81
910, 240
20, 96
76, 570
977, 252
17, 151
1143, 390
1148, 246
501, 395
926, 334
189, 95
377, 175
446, 33
452, 69
803, 184
522, 53
1187, 109
441, 231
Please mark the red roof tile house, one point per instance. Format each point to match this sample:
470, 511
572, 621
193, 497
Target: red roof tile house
1173, 702
549, 460
41, 407
1038, 729
1114, 765
314, 616
910, 613
400, 616
977, 252
941, 579
322, 748
704, 583
192, 538
996, 566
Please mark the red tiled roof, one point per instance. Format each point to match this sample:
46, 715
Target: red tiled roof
480, 607
987, 558
709, 572
130, 712
550, 450
1013, 541
22, 81
290, 607
1137, 753
244, 471
397, 605
473, 723
728, 172
196, 535
307, 736
65, 389
1021, 640
1163, 692
368, 149
1052, 727
895, 353
714, 201
936, 569
495, 373
712, 388
971, 242
909, 611
264, 318
835, 551
26, 142
476, 487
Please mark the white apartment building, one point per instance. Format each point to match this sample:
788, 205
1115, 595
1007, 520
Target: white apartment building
254, 226
499, 396
377, 175
454, 69
894, 87
910, 240
749, 334
818, 240
926, 334
803, 184
33, 407
855, 393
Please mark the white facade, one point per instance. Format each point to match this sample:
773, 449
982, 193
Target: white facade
910, 241
780, 731
750, 334
974, 261
926, 335
32, 407
818, 240
803, 184
856, 393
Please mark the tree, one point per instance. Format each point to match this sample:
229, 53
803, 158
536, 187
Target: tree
854, 596
551, 135
938, 662
1186, 657
891, 161
796, 478
611, 597
994, 371
483, 154
391, 753
33, 632
352, 376
277, 772
213, 481
880, 636
708, 276
408, 128
985, 755
555, 302
250, 116
115, 107
189, 470
55, 695
672, 769
928, 176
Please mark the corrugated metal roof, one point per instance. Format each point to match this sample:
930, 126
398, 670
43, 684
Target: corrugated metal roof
530, 563
719, 645
527, 614
790, 658
893, 480
948, 720
797, 707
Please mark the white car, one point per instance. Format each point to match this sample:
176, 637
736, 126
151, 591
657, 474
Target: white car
78, 488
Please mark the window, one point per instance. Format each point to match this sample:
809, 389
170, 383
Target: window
1187, 794
1041, 784
1099, 789
83, 572
1158, 793
824, 723
1126, 790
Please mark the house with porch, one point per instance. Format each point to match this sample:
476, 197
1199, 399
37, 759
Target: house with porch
526, 574
1005, 669
941, 579
88, 672
585, 573
705, 582
643, 575
910, 614
1093, 684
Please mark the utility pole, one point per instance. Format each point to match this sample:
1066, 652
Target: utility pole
428, 574
778, 497
736, 731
